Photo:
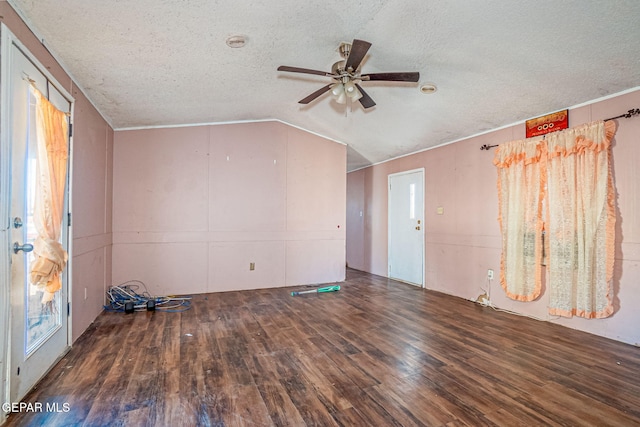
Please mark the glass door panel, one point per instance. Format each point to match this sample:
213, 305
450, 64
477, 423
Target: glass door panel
41, 321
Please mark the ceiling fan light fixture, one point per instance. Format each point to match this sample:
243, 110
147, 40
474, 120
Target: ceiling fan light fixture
352, 91
344, 91
350, 88
356, 95
337, 89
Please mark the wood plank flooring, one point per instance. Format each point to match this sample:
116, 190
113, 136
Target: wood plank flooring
376, 353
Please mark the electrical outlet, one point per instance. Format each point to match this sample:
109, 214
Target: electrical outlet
252, 266
490, 274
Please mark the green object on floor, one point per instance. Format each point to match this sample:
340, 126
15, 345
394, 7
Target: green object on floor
314, 291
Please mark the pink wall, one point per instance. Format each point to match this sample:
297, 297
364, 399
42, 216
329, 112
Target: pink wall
194, 206
91, 188
464, 242
91, 207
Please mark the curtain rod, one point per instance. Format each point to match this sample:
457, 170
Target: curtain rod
628, 114
32, 82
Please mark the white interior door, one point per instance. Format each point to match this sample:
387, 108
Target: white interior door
38, 334
406, 226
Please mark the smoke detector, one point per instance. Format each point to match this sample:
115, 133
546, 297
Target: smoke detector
428, 88
236, 41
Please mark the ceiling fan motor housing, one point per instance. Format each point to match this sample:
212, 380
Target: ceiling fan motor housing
338, 68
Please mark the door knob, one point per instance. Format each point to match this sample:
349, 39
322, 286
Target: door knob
17, 222
417, 227
27, 247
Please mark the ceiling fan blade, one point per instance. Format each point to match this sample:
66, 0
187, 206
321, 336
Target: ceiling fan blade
359, 49
366, 100
393, 77
302, 70
314, 95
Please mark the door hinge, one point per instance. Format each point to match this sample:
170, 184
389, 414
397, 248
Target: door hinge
69, 219
70, 130
68, 309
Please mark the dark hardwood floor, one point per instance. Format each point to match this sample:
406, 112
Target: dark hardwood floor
376, 353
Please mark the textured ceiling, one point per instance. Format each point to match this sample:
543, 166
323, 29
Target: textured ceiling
165, 62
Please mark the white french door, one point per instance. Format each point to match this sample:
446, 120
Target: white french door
39, 334
406, 226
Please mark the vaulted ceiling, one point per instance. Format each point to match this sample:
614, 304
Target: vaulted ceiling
166, 62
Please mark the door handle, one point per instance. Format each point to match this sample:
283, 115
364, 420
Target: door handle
27, 247
417, 227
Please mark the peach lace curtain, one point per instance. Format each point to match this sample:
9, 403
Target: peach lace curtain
51, 172
581, 220
570, 173
521, 178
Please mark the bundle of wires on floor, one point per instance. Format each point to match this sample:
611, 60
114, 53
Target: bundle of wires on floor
133, 296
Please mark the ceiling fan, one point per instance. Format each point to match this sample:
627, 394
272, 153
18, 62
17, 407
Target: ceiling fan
347, 76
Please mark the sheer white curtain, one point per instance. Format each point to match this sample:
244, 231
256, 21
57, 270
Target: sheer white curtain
521, 178
581, 221
569, 172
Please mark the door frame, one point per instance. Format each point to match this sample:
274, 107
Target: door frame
7, 40
422, 230
5, 228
